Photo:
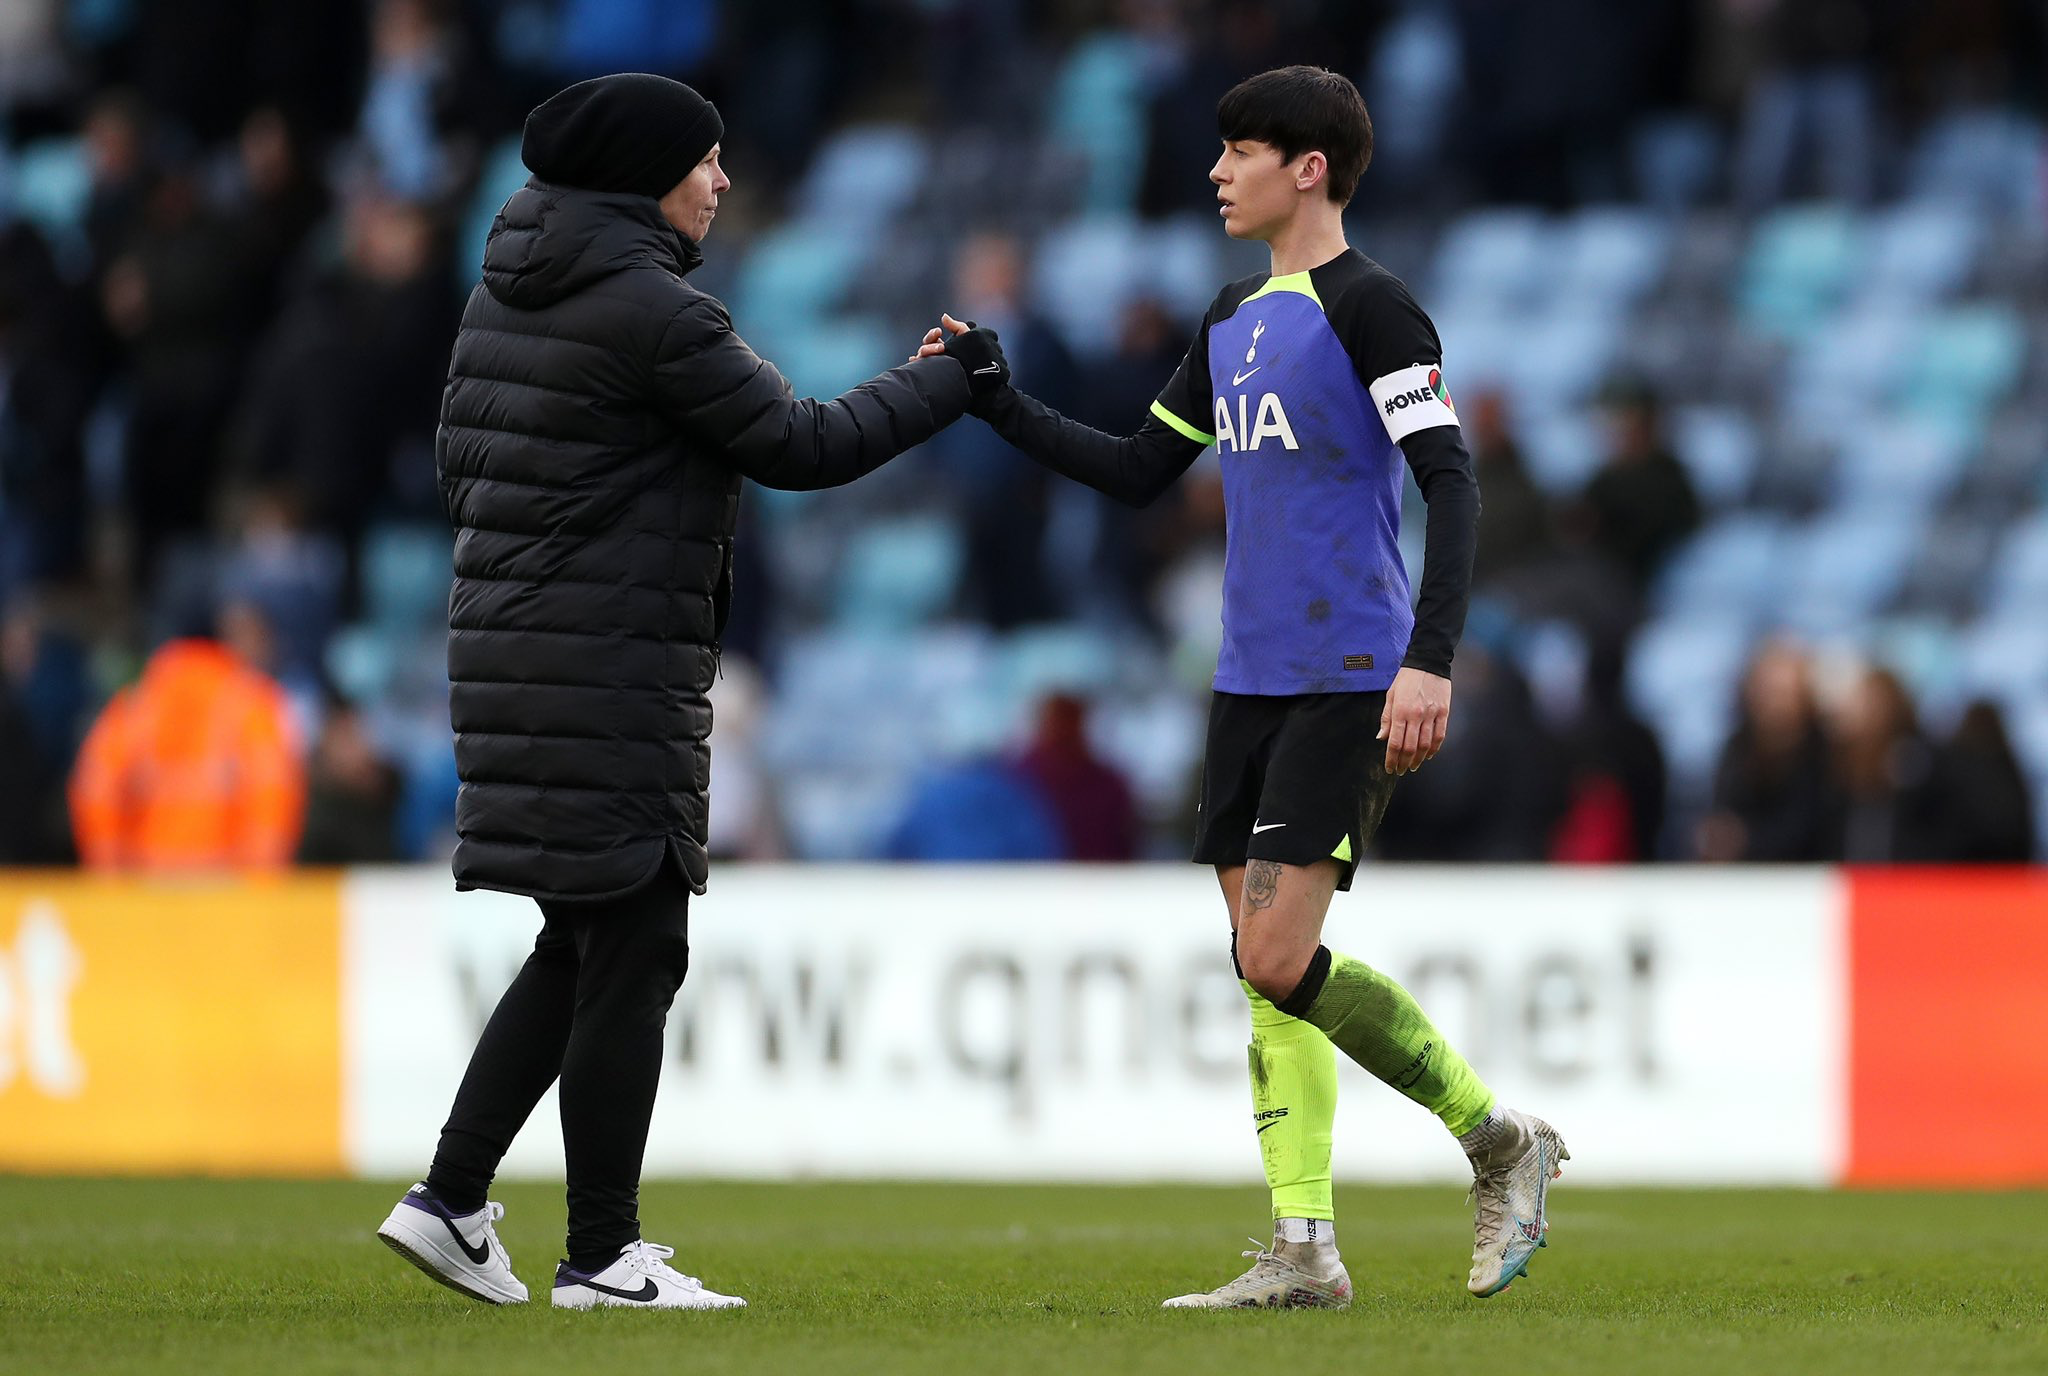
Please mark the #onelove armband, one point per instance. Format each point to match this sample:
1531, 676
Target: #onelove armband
1412, 399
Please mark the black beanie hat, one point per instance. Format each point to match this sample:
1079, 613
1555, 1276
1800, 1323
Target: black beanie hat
633, 132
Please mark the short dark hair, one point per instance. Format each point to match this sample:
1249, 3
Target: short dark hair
1300, 110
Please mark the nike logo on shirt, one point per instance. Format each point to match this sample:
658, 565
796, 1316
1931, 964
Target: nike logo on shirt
1237, 379
1270, 826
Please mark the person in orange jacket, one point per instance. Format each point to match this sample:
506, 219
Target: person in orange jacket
195, 766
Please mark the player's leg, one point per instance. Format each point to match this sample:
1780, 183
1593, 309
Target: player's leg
632, 955
1294, 1104
444, 1224
1293, 1067
1366, 1013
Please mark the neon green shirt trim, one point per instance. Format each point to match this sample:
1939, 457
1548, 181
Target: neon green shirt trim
1297, 282
1177, 423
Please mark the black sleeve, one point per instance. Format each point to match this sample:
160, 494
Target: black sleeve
1399, 361
1134, 469
745, 414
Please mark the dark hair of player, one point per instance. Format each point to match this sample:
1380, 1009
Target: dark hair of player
1300, 110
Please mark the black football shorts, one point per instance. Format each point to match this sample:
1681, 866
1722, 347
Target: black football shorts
1293, 779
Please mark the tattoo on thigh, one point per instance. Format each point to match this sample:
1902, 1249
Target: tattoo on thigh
1261, 882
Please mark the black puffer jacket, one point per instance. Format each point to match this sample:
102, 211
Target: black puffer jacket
599, 415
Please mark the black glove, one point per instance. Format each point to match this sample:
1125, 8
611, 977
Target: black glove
976, 350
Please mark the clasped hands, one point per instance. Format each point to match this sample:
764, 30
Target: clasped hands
974, 348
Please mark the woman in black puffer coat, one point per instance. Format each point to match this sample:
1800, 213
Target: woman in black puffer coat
599, 416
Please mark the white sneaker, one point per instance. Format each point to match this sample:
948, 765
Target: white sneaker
640, 1279
461, 1251
1510, 1185
1293, 1275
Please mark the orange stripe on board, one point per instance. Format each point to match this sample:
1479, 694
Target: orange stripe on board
188, 1026
1948, 1019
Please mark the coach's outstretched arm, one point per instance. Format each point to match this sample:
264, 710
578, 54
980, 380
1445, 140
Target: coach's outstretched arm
1134, 469
741, 408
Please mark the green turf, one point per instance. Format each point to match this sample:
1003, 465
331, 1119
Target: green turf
223, 1277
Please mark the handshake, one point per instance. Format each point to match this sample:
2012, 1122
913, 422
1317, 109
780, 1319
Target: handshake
974, 349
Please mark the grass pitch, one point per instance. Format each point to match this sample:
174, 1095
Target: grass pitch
229, 1277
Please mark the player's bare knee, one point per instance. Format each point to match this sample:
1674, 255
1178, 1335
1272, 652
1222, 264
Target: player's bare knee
1273, 968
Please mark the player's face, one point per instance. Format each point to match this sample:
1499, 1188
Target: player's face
693, 202
1255, 189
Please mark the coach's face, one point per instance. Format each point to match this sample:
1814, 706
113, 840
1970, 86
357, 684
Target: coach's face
1257, 192
693, 203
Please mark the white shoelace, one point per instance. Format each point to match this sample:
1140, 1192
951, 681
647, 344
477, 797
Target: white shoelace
651, 1258
1489, 1197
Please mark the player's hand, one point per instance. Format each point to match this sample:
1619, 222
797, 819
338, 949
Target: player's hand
1416, 719
934, 342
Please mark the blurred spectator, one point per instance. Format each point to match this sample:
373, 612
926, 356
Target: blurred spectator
42, 692
1640, 505
419, 102
743, 822
1089, 798
289, 573
180, 302
346, 391
982, 809
43, 404
1514, 517
1007, 498
1896, 801
1994, 817
274, 199
195, 766
116, 135
1615, 812
1499, 786
1106, 555
1773, 794
1814, 93
352, 795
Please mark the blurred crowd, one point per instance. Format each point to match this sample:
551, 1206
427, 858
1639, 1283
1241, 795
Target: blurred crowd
235, 237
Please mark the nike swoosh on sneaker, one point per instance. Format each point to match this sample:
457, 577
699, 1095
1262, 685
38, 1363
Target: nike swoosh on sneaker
1238, 379
647, 1291
479, 1254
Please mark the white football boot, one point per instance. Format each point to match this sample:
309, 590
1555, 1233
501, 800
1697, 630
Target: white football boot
1292, 1275
461, 1251
1510, 1184
641, 1278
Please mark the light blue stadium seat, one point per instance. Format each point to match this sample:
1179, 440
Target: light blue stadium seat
406, 573
1611, 254
793, 274
1560, 447
1966, 361
2005, 656
1986, 158
1481, 342
1098, 110
1086, 271
1920, 251
1501, 255
1729, 569
1563, 355
898, 573
841, 814
50, 185
1718, 446
361, 661
1800, 262
1899, 463
1682, 676
1853, 361
863, 178
1058, 658
1844, 568
2019, 579
829, 355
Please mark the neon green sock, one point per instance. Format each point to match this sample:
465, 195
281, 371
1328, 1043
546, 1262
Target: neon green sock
1294, 1102
1378, 1024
